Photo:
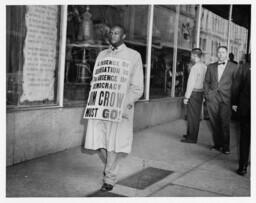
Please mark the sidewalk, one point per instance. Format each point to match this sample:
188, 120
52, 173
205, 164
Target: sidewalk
197, 171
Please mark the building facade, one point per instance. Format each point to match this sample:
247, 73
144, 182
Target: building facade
50, 55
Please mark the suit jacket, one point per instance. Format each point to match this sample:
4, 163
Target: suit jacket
223, 88
242, 96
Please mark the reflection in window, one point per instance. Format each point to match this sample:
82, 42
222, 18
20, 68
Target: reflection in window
163, 48
15, 39
87, 35
214, 29
186, 41
162, 51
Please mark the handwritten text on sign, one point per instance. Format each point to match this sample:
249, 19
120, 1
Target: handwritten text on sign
108, 89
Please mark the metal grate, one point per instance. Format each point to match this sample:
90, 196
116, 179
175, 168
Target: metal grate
145, 178
104, 194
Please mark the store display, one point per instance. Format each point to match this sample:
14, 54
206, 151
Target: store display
84, 72
86, 27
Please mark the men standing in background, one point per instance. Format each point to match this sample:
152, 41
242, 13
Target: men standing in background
232, 57
243, 100
115, 138
218, 89
194, 96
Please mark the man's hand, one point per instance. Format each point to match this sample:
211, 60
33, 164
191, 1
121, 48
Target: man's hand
185, 101
234, 107
129, 106
125, 115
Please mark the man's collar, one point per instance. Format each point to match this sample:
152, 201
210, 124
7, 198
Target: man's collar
198, 62
120, 47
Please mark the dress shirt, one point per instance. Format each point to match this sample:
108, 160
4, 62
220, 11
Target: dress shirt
196, 78
221, 69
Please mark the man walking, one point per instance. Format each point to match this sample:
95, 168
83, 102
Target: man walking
218, 89
111, 138
194, 96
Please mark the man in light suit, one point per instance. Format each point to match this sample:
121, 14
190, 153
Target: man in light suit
218, 90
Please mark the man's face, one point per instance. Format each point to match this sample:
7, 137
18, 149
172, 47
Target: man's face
116, 36
222, 54
193, 58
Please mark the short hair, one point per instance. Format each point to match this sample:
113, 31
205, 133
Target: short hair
119, 26
197, 51
231, 55
222, 47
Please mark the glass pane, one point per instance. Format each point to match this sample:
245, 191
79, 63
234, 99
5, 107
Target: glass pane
213, 32
162, 51
238, 42
15, 35
87, 32
186, 41
32, 54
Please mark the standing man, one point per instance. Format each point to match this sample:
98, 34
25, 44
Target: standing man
194, 96
231, 58
243, 99
218, 89
114, 138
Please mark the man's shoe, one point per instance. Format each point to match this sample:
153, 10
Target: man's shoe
185, 136
106, 187
242, 171
226, 151
185, 140
216, 148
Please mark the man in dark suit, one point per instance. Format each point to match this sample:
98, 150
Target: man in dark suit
218, 89
231, 58
243, 100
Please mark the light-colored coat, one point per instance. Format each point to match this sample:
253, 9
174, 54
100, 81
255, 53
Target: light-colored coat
115, 136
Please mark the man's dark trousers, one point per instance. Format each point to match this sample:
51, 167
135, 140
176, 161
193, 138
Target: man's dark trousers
219, 114
245, 139
193, 115
243, 98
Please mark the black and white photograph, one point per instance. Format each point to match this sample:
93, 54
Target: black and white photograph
127, 99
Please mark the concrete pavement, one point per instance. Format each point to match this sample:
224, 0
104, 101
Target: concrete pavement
76, 172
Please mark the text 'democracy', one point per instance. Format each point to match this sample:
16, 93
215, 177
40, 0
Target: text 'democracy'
108, 90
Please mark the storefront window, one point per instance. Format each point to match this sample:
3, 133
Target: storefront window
214, 30
32, 55
162, 51
186, 41
238, 42
87, 35
164, 44
32, 49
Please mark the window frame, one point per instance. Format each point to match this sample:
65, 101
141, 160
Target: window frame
60, 67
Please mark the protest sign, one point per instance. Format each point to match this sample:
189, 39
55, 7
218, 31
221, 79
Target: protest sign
108, 89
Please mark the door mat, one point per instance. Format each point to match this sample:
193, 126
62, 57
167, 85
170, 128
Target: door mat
145, 178
104, 194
